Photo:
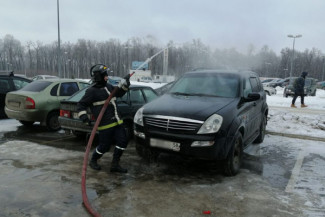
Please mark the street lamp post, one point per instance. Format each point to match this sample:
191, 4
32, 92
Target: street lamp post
267, 69
293, 50
285, 72
59, 49
323, 68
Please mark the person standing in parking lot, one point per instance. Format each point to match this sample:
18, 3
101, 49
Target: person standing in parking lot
110, 128
299, 86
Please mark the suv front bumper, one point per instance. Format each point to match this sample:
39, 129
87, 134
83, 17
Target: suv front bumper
207, 147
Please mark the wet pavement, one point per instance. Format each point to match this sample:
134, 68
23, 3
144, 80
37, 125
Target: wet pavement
41, 176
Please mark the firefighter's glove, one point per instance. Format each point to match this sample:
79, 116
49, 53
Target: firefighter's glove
124, 84
85, 119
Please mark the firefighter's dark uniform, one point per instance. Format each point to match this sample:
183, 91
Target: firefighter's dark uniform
110, 128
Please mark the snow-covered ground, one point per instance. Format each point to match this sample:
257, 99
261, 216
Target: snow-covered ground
313, 102
308, 121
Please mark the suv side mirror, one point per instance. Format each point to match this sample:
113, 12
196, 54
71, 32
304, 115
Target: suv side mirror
252, 97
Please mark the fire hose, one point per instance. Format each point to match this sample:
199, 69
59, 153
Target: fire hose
90, 141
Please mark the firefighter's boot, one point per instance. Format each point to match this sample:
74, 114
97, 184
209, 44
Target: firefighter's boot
303, 105
293, 106
116, 168
93, 162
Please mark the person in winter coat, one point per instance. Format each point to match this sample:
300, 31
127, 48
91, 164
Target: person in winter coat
110, 127
298, 86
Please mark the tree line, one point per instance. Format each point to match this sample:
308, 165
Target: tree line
36, 58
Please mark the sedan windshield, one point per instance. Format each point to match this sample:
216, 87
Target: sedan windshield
220, 85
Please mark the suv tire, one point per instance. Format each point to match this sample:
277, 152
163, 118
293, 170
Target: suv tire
235, 156
261, 136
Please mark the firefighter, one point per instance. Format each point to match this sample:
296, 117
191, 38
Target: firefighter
110, 128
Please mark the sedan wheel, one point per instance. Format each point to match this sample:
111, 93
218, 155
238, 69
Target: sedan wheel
52, 122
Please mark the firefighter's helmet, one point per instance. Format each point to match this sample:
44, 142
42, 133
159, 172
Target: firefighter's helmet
98, 73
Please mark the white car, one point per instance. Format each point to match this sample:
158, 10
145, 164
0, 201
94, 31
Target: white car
145, 79
269, 90
40, 77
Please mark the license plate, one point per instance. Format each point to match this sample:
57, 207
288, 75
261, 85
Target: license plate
75, 115
175, 146
14, 104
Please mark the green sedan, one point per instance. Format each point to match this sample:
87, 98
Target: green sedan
39, 101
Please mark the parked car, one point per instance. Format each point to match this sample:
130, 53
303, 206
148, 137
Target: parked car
145, 79
269, 90
274, 83
39, 101
136, 97
285, 82
321, 85
114, 80
310, 87
44, 77
9, 82
214, 120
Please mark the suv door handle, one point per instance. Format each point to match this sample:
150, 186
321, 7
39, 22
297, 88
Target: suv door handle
254, 104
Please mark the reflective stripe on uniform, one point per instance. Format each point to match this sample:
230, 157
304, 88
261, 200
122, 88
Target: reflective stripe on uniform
115, 111
110, 125
98, 152
118, 147
102, 102
82, 113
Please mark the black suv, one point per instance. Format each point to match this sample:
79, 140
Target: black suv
9, 82
209, 114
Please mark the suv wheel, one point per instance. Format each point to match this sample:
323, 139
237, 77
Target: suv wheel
27, 123
261, 136
235, 157
52, 121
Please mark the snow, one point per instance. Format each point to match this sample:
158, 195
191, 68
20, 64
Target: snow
313, 102
8, 125
153, 85
308, 121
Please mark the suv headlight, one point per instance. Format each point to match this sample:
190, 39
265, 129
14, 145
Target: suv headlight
138, 117
211, 125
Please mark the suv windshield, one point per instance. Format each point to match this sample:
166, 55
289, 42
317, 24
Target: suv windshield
205, 84
36, 86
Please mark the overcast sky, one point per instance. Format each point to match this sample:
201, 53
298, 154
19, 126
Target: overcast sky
219, 24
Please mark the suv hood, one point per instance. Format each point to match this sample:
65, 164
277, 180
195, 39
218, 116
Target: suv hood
193, 107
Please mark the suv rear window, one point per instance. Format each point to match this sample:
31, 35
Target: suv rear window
36, 86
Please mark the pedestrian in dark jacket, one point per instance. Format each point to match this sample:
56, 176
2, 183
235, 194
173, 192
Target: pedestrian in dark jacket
110, 127
299, 86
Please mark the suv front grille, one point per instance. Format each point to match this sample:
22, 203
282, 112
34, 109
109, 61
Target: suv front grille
171, 124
